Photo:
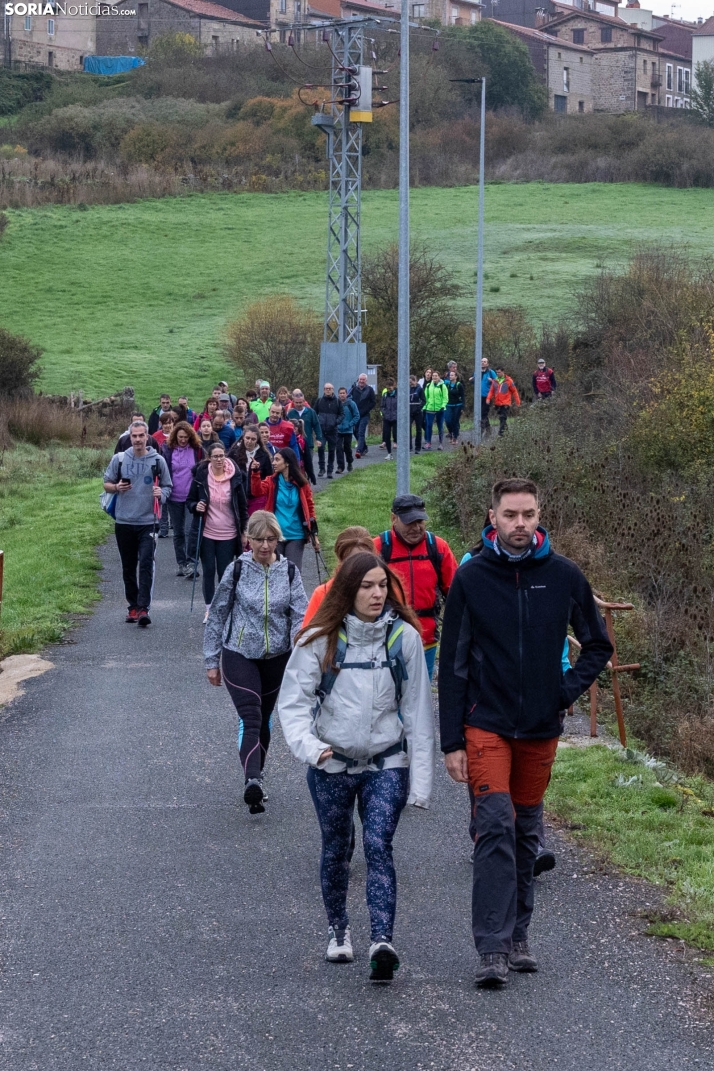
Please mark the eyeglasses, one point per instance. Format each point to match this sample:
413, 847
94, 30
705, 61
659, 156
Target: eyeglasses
264, 539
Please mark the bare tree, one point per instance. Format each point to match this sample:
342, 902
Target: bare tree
278, 341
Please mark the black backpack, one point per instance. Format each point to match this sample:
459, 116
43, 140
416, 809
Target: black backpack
386, 550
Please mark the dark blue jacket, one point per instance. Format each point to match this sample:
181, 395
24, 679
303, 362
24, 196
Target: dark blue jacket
502, 640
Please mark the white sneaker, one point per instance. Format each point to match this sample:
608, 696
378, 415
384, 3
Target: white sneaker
205, 616
339, 949
388, 457
383, 961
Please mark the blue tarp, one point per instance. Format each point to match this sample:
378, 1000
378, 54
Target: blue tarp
111, 64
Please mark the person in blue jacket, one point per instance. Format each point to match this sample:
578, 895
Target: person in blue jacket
345, 430
487, 377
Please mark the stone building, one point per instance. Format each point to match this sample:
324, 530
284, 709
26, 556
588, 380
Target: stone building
286, 13
218, 29
565, 69
54, 41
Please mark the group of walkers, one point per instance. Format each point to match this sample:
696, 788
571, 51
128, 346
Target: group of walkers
349, 672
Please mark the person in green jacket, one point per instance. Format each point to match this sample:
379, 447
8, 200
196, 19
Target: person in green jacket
436, 394
261, 405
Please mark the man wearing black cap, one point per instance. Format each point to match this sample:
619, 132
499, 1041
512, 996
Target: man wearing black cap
423, 562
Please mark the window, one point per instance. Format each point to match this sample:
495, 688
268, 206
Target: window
143, 17
582, 60
454, 15
283, 6
560, 55
680, 80
606, 35
28, 23
677, 102
668, 102
644, 65
214, 45
298, 9
578, 37
566, 79
474, 18
581, 105
654, 98
418, 11
50, 27
50, 59
686, 81
668, 76
560, 104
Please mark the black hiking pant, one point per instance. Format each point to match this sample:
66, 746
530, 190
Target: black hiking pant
216, 556
308, 465
344, 449
329, 438
253, 685
136, 550
417, 419
389, 432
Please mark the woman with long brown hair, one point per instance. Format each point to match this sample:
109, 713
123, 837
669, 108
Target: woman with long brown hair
369, 737
182, 452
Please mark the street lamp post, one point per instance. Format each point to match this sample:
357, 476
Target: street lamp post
403, 280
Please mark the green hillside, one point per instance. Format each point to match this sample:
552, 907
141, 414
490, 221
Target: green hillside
139, 294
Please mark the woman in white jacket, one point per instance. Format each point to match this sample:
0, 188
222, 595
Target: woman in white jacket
341, 713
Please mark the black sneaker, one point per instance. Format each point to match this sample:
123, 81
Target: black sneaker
492, 970
349, 468
321, 473
545, 860
254, 797
330, 476
521, 957
383, 961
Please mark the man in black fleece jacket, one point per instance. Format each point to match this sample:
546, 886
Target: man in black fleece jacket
501, 697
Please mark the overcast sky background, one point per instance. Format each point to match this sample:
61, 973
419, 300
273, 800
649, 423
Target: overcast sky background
685, 9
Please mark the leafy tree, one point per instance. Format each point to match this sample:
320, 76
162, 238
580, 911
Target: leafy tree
434, 323
175, 48
487, 49
18, 364
703, 92
278, 341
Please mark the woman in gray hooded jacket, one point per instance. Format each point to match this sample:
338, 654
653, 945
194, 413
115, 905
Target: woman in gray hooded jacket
254, 617
366, 732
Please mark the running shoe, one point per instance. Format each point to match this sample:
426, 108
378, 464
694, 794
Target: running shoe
253, 796
492, 970
142, 618
388, 457
383, 961
349, 467
339, 948
357, 453
205, 616
521, 958
132, 616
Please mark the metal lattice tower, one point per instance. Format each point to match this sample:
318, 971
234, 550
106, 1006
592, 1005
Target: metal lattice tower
343, 354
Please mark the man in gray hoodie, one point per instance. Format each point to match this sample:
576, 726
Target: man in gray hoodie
137, 477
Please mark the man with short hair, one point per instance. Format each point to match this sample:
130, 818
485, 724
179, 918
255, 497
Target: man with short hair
328, 409
224, 406
423, 562
124, 441
137, 477
163, 407
487, 377
298, 409
544, 385
190, 415
345, 430
282, 432
261, 406
502, 692
365, 399
224, 390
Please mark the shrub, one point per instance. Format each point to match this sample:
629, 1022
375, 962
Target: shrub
18, 88
18, 364
277, 340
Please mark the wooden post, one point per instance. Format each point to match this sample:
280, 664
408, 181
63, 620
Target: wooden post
615, 679
593, 708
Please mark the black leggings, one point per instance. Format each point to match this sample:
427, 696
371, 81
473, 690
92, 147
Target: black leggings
253, 684
216, 556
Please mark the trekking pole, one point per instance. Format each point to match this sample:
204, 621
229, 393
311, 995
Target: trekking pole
195, 564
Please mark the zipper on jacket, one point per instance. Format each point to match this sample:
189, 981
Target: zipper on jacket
520, 650
265, 614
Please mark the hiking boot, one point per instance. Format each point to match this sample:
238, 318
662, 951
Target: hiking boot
330, 476
349, 467
253, 796
181, 571
492, 970
521, 957
142, 618
321, 472
545, 860
132, 616
339, 948
383, 961
339, 471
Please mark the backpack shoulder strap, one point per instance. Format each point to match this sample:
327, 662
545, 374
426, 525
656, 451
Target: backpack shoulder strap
291, 572
237, 570
385, 547
327, 681
434, 556
395, 657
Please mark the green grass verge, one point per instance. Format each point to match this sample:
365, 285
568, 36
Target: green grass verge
661, 832
140, 294
50, 525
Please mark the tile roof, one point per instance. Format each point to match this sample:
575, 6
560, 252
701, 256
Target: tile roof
538, 35
214, 11
609, 20
706, 29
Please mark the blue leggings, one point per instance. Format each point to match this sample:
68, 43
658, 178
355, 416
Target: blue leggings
429, 419
382, 797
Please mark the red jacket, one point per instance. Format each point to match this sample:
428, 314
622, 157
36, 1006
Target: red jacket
501, 392
269, 489
414, 568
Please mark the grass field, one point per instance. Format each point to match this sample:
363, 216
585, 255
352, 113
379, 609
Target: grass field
140, 294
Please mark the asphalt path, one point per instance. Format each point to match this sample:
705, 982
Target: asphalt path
148, 922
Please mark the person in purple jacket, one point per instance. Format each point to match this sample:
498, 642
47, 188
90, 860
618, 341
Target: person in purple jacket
182, 452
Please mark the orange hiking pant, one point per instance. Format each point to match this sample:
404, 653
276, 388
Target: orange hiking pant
521, 768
